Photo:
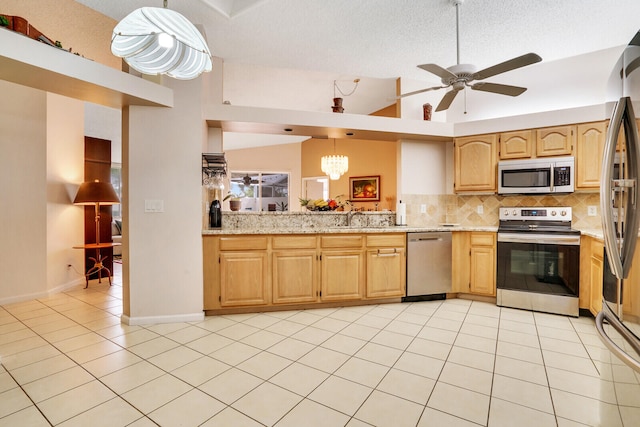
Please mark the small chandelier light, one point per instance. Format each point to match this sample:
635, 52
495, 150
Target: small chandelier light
156, 40
334, 165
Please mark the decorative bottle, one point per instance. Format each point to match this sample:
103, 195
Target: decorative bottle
215, 214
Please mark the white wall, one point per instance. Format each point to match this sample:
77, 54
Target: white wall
424, 168
41, 164
162, 252
65, 171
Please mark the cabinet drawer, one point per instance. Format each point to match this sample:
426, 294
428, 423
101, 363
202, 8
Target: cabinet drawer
483, 239
243, 243
294, 242
341, 241
394, 240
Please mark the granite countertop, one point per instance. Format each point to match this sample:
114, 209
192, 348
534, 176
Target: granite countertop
345, 230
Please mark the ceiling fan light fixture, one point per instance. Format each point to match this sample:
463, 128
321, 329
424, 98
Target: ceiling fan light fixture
156, 40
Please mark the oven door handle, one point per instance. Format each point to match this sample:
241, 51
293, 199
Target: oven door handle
540, 239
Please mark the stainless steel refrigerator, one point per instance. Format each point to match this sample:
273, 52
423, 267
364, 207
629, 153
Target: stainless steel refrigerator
618, 323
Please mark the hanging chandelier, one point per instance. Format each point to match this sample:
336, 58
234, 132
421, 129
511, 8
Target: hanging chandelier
156, 40
335, 165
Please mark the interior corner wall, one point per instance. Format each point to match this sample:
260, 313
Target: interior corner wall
23, 193
162, 251
65, 172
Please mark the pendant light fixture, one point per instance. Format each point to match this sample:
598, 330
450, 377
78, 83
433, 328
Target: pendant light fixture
334, 165
156, 40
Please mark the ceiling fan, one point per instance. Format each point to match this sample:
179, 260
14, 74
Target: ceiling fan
460, 75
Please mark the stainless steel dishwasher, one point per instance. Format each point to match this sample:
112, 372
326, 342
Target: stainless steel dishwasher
428, 265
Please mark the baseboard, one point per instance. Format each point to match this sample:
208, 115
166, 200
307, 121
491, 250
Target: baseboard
153, 320
44, 294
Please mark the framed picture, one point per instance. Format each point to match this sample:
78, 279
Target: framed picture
364, 188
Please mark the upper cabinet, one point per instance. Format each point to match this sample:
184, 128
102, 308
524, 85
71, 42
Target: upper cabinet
589, 148
516, 145
475, 160
555, 141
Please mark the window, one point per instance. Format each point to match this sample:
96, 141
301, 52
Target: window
116, 181
261, 191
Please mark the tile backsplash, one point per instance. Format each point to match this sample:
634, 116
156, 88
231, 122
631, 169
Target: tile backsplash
463, 209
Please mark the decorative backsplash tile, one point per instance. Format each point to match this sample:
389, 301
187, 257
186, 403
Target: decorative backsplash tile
463, 209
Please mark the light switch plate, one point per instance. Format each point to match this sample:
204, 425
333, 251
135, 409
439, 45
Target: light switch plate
423, 208
480, 209
592, 210
154, 206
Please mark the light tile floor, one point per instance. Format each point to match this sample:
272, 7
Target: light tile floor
68, 361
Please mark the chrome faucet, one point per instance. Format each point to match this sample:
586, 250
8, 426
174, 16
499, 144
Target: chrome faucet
350, 215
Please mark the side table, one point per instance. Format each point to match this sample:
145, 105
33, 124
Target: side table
98, 266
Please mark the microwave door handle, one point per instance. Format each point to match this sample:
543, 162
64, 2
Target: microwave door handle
607, 190
552, 178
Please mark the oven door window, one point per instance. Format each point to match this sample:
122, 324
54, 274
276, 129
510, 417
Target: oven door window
531, 267
526, 178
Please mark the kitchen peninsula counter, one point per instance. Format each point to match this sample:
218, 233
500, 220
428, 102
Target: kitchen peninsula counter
344, 230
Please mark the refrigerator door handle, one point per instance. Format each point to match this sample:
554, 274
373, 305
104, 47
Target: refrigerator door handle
623, 115
605, 314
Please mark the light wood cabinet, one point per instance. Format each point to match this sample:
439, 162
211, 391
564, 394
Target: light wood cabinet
342, 267
294, 269
591, 138
288, 270
474, 263
483, 264
517, 144
596, 275
475, 161
386, 266
555, 141
244, 278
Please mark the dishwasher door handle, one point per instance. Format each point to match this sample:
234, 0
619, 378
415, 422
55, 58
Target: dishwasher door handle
426, 239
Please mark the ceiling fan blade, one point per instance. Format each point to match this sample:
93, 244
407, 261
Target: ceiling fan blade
498, 88
443, 73
512, 64
415, 92
447, 99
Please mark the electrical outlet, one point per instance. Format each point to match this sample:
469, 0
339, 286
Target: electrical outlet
592, 210
423, 208
480, 209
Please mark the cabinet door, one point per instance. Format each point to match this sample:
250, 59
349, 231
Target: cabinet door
555, 141
342, 275
243, 278
475, 160
596, 283
483, 271
294, 276
589, 148
386, 270
461, 249
516, 145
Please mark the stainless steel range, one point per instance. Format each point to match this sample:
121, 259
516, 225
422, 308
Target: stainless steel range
538, 266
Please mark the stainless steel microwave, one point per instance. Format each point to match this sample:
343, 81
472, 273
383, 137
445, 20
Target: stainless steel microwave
536, 176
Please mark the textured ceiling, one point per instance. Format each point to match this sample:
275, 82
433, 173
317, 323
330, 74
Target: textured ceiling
388, 38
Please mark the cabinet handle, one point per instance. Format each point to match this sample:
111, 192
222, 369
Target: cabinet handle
387, 254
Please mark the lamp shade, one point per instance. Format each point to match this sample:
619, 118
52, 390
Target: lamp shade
161, 41
94, 192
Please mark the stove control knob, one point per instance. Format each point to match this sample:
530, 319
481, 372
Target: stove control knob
563, 213
515, 212
506, 213
553, 213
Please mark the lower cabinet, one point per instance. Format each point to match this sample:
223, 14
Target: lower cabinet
342, 275
474, 263
252, 271
591, 273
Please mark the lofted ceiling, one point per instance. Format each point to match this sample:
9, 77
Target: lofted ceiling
387, 39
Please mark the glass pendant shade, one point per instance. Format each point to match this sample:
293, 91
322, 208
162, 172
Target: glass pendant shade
161, 41
334, 166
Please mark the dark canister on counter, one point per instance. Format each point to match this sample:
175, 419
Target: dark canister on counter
215, 214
